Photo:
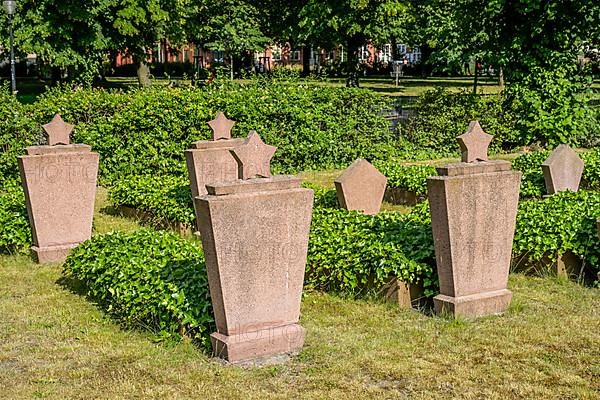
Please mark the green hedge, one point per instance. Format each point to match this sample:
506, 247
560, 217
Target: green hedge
351, 253
149, 278
412, 178
145, 131
563, 222
15, 233
166, 198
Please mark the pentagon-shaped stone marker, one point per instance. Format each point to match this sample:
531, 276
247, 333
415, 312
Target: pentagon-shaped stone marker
562, 170
361, 187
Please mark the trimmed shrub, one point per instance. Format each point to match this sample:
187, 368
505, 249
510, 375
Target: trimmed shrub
409, 177
351, 253
167, 198
563, 222
149, 279
15, 233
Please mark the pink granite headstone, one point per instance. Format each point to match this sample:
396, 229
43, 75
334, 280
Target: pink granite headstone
473, 212
255, 237
59, 181
562, 170
361, 187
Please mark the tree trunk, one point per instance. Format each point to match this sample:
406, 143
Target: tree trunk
305, 61
476, 76
501, 78
352, 67
143, 72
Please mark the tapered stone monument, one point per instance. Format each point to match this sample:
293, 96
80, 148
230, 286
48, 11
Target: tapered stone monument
254, 233
562, 170
361, 187
210, 161
473, 212
59, 181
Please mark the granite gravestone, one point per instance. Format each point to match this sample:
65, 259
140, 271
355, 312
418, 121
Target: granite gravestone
361, 187
562, 170
255, 237
59, 181
473, 212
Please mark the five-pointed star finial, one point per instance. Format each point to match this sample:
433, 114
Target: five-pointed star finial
58, 131
474, 143
221, 126
254, 157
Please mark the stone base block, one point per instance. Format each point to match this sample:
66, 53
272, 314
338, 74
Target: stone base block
258, 347
476, 305
44, 255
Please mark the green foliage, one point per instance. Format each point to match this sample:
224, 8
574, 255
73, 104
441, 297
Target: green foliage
146, 279
146, 131
548, 107
563, 222
15, 233
532, 182
16, 132
350, 252
441, 116
324, 198
412, 178
166, 198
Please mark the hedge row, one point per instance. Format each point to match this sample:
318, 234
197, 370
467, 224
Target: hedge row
413, 178
15, 233
145, 131
147, 278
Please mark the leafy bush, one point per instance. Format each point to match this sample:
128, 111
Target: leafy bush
152, 279
16, 132
145, 131
15, 233
409, 177
563, 222
530, 164
166, 198
324, 198
441, 116
350, 252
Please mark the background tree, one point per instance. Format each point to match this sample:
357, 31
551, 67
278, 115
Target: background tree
352, 23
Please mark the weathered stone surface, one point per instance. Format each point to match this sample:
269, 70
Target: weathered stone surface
254, 157
361, 187
211, 161
221, 127
562, 170
58, 131
474, 143
473, 215
255, 239
60, 188
211, 164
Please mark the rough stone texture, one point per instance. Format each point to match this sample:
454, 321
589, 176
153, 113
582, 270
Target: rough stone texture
211, 162
60, 188
255, 239
562, 170
474, 143
221, 126
473, 220
254, 157
405, 295
361, 187
58, 131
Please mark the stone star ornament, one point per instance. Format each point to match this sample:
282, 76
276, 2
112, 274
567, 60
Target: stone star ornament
58, 131
221, 127
254, 157
474, 143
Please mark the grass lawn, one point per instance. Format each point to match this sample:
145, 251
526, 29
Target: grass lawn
56, 344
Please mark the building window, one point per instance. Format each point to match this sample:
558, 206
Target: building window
276, 53
295, 55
